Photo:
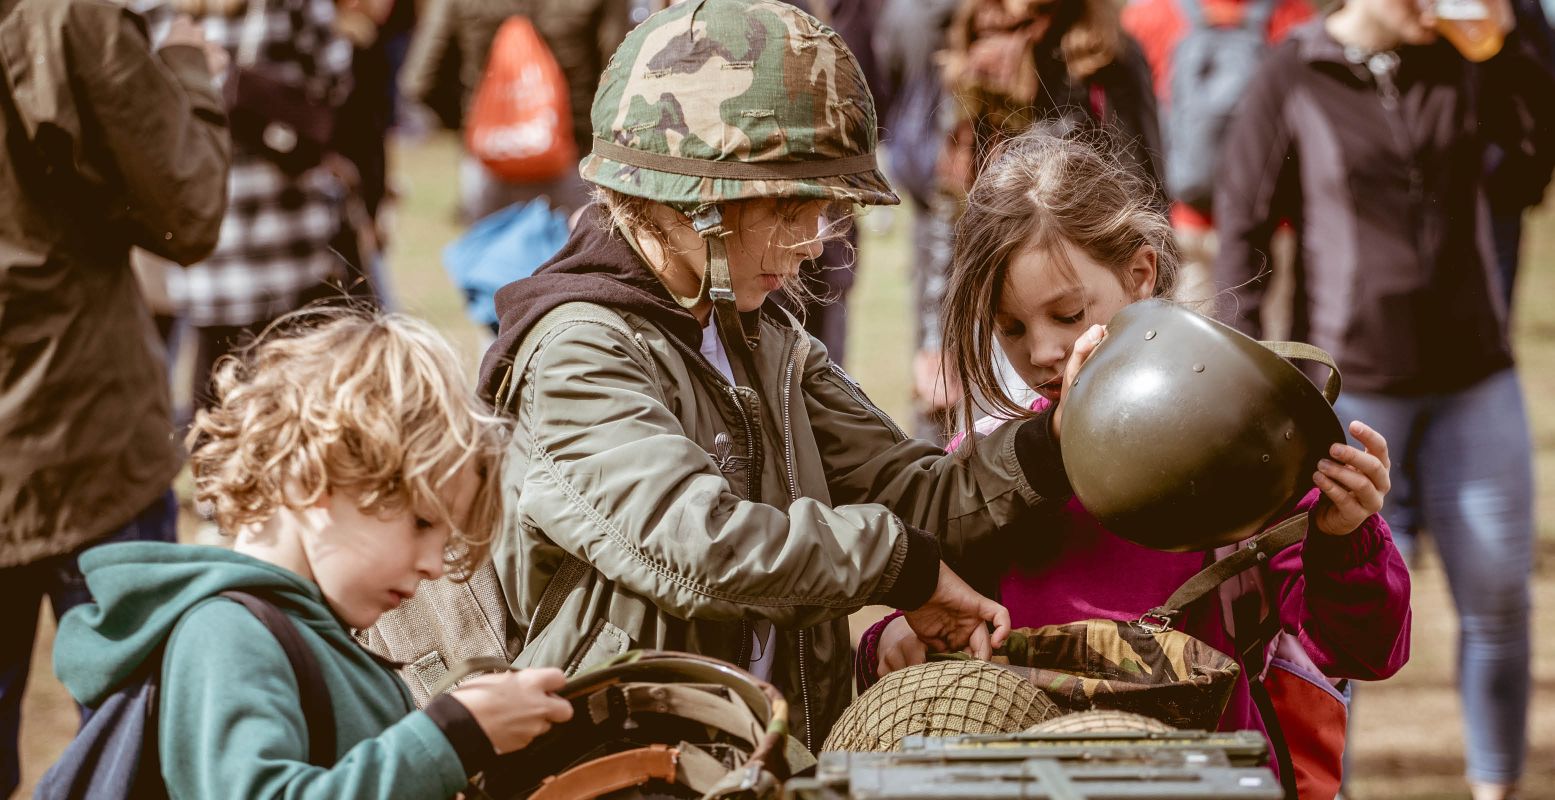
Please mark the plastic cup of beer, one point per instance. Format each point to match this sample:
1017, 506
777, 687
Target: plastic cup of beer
1470, 26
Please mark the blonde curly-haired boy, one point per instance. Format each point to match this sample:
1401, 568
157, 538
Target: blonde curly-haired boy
349, 458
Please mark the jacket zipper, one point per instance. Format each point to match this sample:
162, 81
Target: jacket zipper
857, 393
804, 689
793, 496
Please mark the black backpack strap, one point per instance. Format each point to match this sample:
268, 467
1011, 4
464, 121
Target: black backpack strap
316, 708
1252, 637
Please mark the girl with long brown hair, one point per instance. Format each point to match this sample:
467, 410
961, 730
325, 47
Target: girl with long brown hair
1058, 236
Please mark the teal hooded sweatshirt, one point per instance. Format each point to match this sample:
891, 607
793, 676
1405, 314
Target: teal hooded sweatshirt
231, 722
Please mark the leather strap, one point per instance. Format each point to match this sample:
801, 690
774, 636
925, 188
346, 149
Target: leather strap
1307, 352
316, 708
457, 673
735, 170
1251, 553
611, 773
708, 705
717, 283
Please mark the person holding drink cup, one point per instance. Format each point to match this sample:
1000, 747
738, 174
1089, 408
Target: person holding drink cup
1369, 129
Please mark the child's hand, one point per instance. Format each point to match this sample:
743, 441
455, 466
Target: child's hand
898, 647
956, 616
1083, 348
513, 708
1354, 482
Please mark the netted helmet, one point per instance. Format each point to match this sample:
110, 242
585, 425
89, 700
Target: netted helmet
1181, 433
939, 698
1101, 721
709, 101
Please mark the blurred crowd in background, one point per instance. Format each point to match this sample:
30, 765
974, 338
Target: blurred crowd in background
1378, 216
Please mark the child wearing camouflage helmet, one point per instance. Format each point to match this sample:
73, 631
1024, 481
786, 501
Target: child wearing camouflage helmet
688, 468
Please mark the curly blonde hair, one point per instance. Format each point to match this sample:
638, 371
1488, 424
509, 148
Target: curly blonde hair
346, 400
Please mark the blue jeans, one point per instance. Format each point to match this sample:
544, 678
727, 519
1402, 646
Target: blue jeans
1463, 470
21, 592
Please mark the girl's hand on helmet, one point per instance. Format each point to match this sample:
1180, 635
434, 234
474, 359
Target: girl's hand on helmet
1083, 347
513, 708
957, 617
899, 647
1354, 482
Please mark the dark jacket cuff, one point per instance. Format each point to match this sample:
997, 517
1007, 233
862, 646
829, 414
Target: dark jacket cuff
463, 732
1037, 451
919, 575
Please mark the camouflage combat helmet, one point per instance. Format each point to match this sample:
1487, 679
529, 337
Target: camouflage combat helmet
711, 101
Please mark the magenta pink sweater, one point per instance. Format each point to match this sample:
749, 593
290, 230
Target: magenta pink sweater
1345, 598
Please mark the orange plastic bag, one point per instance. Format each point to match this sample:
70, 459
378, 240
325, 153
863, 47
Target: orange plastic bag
520, 124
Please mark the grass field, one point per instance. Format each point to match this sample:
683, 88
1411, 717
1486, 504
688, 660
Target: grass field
1408, 735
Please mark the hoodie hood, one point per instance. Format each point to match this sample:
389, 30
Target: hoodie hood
596, 266
142, 589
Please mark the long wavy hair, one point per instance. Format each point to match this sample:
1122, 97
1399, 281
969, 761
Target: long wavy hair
1040, 191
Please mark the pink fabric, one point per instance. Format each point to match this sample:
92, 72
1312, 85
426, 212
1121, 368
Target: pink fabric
1344, 599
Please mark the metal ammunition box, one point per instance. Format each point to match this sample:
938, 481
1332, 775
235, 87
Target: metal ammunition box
1108, 766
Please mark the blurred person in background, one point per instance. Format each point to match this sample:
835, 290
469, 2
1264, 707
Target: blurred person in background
276, 253
1384, 179
1008, 65
581, 34
1509, 192
907, 41
361, 137
109, 145
1160, 26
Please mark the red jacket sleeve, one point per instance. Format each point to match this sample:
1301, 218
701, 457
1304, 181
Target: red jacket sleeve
1346, 599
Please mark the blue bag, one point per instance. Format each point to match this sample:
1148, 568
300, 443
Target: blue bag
114, 756
501, 248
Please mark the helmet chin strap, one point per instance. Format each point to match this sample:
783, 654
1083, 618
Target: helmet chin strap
717, 284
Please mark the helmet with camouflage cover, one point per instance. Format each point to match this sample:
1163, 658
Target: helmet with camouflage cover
709, 101
712, 101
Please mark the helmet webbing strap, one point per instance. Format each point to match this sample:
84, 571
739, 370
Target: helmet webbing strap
717, 284
736, 170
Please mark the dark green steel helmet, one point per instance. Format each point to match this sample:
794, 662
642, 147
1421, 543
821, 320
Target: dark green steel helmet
1181, 433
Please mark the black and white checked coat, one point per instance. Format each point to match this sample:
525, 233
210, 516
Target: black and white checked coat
275, 238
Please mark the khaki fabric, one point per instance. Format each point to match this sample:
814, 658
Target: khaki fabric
1105, 664
699, 509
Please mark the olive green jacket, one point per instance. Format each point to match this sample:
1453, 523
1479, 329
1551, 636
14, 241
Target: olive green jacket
649, 503
107, 145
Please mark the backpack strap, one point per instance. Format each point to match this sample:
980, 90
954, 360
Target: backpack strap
316, 708
1255, 551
